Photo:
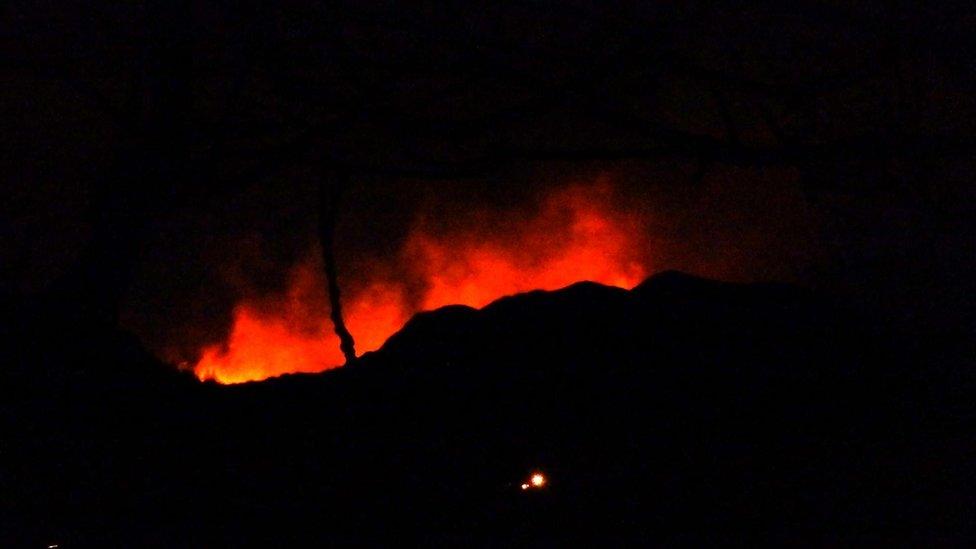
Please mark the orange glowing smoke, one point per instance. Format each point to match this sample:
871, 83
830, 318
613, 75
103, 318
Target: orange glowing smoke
575, 234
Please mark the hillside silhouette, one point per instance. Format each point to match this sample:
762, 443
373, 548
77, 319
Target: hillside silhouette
682, 411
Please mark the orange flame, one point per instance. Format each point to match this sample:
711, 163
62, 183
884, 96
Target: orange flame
577, 234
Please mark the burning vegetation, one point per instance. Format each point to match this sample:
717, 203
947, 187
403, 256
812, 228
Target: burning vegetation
575, 233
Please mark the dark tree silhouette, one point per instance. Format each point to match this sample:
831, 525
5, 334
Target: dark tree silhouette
330, 195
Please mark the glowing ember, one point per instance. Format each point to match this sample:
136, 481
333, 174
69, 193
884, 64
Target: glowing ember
576, 234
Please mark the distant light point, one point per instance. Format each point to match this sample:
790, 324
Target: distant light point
538, 480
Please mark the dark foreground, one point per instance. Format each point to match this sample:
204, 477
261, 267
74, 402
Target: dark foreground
684, 411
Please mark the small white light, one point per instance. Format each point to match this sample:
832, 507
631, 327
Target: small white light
525, 486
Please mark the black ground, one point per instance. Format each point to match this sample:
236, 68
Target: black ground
684, 410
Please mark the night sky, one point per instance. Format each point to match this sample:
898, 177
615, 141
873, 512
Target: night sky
824, 145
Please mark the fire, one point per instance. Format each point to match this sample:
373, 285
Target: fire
271, 337
575, 234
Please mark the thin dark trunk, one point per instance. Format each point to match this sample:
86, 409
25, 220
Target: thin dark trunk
330, 192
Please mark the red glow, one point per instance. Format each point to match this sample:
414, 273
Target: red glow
576, 234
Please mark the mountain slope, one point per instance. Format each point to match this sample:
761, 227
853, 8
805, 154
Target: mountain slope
684, 410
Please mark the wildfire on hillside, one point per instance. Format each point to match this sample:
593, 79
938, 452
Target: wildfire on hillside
576, 233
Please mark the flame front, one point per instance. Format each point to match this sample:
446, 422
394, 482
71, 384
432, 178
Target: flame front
576, 234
